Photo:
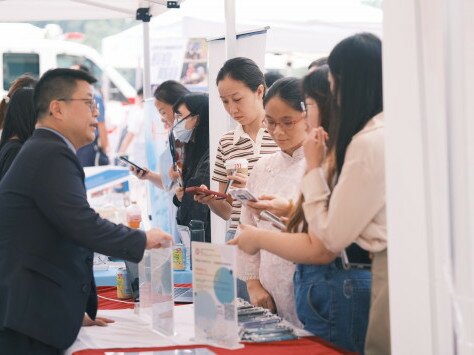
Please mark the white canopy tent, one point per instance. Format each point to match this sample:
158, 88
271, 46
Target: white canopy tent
44, 10
301, 26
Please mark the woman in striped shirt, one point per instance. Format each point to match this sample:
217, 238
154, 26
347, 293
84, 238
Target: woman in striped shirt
241, 86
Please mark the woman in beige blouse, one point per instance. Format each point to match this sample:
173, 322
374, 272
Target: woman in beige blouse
354, 211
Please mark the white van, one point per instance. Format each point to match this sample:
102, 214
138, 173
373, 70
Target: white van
24, 49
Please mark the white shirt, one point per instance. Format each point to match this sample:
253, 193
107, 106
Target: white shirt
277, 174
355, 210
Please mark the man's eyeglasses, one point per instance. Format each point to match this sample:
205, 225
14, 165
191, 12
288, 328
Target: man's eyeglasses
285, 125
92, 103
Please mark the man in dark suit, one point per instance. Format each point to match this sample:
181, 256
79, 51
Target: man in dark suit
48, 232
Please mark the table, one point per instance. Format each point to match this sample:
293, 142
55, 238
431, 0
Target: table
303, 346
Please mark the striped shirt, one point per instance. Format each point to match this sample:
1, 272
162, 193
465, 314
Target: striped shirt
238, 144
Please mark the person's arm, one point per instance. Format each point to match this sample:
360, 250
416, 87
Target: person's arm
222, 208
189, 208
154, 178
125, 143
300, 248
355, 200
60, 194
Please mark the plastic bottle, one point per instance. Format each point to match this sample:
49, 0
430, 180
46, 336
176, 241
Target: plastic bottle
197, 232
134, 215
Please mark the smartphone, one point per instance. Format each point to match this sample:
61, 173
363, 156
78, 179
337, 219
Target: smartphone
242, 195
202, 191
126, 161
273, 219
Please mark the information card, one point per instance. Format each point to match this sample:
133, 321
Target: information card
214, 287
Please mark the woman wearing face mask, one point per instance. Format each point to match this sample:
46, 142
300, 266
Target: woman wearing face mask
192, 128
269, 277
166, 95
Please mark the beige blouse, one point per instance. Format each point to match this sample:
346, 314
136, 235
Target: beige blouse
355, 210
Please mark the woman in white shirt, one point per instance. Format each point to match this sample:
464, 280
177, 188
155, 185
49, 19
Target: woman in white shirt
270, 278
354, 211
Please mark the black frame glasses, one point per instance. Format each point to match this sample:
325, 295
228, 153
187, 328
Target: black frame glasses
93, 105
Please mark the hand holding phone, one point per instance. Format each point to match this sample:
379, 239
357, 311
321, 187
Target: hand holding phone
129, 163
273, 219
197, 190
242, 195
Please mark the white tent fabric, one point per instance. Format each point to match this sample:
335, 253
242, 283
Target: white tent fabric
302, 26
44, 10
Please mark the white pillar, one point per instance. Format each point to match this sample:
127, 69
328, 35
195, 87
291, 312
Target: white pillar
146, 61
230, 22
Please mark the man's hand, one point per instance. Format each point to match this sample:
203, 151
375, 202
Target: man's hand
259, 296
156, 238
99, 321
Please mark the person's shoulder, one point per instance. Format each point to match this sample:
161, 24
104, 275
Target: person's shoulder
12, 146
226, 137
265, 160
369, 143
46, 144
372, 133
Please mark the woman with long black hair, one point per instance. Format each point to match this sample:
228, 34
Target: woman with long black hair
19, 124
192, 129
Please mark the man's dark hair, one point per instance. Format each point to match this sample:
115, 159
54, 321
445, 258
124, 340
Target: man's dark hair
318, 63
57, 84
272, 76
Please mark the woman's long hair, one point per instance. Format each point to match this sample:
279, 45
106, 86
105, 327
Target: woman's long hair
20, 119
197, 104
316, 86
23, 81
356, 66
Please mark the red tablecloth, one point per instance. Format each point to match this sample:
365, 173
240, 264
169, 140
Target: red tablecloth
307, 345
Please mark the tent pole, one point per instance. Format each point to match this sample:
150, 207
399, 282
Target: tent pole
146, 61
230, 37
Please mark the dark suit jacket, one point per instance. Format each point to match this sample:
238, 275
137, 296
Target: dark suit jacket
48, 234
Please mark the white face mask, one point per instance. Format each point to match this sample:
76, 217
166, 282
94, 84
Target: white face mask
181, 133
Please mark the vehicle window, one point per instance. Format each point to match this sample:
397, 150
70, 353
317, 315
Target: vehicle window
68, 60
16, 64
